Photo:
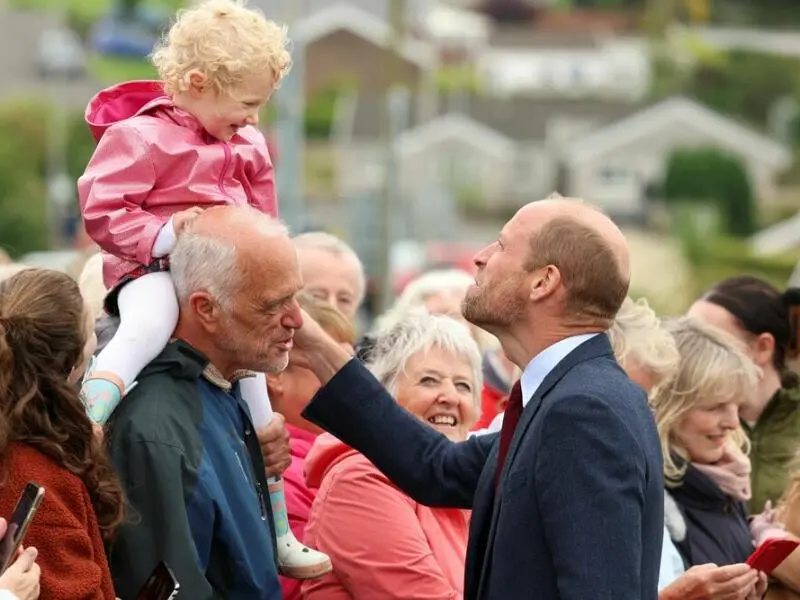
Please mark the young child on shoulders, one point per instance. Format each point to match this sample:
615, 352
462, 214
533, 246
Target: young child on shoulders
166, 150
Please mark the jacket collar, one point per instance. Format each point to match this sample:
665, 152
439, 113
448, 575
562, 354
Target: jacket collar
184, 361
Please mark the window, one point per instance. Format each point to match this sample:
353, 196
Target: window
614, 175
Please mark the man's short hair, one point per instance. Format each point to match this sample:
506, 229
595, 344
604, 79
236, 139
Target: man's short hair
590, 271
203, 261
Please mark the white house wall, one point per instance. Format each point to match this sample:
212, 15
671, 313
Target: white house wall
645, 161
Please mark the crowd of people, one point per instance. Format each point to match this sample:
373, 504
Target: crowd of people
179, 473
202, 394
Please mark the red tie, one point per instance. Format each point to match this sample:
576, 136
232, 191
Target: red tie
510, 420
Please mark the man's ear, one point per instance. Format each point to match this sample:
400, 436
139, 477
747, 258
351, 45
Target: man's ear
206, 310
544, 283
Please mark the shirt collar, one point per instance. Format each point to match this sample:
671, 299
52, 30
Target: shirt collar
544, 362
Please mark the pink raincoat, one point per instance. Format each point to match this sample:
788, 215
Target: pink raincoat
153, 160
383, 545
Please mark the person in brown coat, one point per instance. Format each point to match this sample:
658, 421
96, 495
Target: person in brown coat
46, 437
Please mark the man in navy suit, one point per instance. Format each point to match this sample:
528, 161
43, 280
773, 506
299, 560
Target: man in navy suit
568, 499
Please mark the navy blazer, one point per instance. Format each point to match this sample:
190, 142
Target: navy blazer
579, 511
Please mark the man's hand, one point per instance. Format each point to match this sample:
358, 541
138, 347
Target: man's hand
22, 577
274, 441
310, 335
710, 582
322, 354
760, 588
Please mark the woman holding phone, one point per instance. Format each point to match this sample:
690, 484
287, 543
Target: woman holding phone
46, 438
21, 580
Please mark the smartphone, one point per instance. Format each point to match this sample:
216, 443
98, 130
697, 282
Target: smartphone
24, 512
769, 555
161, 585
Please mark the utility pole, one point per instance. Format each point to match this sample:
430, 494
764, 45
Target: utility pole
60, 187
389, 197
290, 127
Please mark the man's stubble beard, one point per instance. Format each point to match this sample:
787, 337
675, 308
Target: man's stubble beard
231, 345
489, 310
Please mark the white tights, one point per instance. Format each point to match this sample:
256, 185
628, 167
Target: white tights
148, 314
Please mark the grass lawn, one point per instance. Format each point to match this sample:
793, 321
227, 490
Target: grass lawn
112, 69
87, 8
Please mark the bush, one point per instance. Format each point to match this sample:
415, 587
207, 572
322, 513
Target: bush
713, 257
321, 110
708, 175
23, 167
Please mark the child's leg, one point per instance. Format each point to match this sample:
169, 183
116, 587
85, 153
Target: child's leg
148, 311
296, 560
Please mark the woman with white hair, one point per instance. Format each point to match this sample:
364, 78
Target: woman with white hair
384, 545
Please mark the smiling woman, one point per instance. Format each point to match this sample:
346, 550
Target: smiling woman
705, 467
432, 366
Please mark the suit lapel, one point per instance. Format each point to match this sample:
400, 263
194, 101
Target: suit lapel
487, 500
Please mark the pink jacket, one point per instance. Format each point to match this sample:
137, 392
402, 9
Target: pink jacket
153, 160
299, 496
383, 545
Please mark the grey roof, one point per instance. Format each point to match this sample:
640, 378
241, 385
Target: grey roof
291, 10
522, 118
517, 36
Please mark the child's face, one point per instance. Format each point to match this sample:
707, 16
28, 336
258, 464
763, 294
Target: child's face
222, 114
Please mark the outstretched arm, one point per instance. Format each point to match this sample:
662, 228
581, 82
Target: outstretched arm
357, 409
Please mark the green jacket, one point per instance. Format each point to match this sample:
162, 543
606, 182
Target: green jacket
775, 441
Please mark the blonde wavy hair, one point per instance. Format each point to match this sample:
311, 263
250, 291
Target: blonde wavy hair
639, 338
91, 284
712, 369
225, 41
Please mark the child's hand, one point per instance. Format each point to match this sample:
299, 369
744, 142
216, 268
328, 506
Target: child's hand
181, 220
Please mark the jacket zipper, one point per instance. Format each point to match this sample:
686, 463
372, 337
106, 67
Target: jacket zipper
241, 466
225, 166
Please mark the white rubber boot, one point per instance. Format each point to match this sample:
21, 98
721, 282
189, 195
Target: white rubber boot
296, 560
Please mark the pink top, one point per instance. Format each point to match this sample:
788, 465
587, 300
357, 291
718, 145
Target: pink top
153, 160
299, 497
383, 545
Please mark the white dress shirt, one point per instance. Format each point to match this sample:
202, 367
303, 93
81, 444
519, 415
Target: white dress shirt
536, 371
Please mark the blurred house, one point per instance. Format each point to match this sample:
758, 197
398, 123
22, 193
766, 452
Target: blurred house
496, 154
347, 44
780, 237
576, 64
616, 164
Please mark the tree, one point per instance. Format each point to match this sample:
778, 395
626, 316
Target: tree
709, 176
23, 166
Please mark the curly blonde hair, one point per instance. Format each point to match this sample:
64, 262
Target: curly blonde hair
225, 41
712, 369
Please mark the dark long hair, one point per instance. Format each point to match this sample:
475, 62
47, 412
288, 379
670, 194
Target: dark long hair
42, 337
761, 308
